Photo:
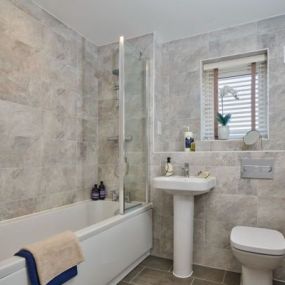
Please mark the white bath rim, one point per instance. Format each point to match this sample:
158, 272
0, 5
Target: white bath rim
14, 263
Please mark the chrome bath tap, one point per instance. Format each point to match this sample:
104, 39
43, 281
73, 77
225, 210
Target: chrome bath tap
115, 196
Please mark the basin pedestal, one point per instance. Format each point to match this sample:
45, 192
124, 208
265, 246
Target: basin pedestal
183, 235
183, 190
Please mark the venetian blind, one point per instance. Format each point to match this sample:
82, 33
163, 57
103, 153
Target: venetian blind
239, 77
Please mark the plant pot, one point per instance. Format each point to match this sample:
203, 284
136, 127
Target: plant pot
224, 132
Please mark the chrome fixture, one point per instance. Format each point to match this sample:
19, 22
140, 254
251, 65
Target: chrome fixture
257, 168
128, 197
116, 138
116, 87
186, 169
253, 138
115, 72
115, 195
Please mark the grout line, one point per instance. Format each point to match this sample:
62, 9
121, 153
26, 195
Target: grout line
224, 278
211, 281
157, 269
136, 275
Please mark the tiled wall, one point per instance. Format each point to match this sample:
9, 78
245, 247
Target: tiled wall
234, 201
48, 111
108, 116
179, 103
136, 120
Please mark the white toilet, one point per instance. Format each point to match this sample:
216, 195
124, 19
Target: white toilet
259, 251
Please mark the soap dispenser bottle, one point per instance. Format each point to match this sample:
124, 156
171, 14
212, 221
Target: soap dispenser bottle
188, 139
95, 193
168, 167
102, 191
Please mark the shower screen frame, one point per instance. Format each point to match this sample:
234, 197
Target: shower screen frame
122, 164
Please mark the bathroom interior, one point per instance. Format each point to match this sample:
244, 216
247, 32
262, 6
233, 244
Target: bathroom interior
142, 142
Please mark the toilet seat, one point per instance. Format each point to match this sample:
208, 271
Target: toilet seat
258, 240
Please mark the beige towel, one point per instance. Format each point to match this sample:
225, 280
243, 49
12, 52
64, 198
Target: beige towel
55, 255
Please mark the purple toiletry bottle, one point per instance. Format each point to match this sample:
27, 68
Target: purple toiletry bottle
102, 191
95, 193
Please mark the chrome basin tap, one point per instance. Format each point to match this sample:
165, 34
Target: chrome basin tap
186, 169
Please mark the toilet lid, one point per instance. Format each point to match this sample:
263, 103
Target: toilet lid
258, 240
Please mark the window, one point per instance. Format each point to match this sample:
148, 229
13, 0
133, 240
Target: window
237, 86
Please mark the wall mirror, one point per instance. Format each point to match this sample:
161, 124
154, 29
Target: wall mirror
252, 138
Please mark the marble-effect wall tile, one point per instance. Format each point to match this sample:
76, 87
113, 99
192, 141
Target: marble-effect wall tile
48, 111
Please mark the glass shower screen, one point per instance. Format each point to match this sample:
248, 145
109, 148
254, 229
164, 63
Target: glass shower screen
133, 134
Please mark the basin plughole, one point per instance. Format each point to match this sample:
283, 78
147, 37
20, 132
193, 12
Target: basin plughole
183, 190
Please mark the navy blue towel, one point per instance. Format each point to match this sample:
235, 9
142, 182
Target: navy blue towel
33, 273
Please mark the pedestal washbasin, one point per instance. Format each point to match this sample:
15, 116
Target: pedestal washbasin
183, 190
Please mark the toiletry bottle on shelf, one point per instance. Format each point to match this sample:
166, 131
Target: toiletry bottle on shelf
168, 167
193, 146
102, 191
188, 139
95, 193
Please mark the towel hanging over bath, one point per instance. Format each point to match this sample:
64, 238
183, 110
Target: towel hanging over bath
53, 261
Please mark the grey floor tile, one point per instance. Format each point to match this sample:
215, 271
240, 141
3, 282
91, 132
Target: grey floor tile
133, 273
154, 262
156, 277
232, 278
203, 282
209, 274
278, 283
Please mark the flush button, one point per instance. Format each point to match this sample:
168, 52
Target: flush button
257, 168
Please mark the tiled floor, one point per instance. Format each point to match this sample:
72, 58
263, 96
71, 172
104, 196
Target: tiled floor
158, 271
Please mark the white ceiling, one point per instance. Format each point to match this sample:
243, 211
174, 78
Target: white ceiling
103, 21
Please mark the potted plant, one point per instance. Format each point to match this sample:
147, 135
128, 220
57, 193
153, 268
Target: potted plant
223, 130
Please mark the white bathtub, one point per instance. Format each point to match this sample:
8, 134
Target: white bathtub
112, 244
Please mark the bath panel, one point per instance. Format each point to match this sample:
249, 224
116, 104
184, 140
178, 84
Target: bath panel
112, 244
